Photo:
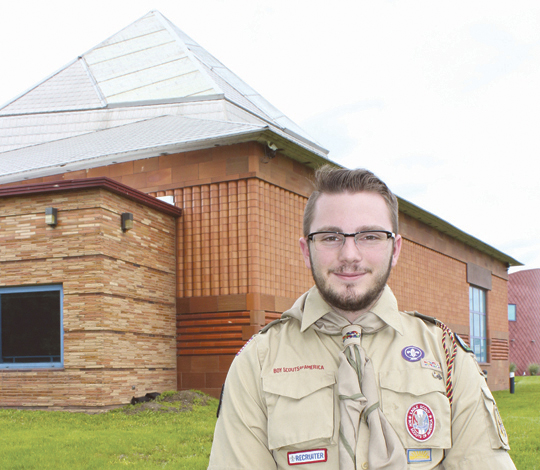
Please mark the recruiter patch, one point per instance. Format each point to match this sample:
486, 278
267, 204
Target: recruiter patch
412, 353
307, 456
420, 422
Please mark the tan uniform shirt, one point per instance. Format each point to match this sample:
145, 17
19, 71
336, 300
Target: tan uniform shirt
280, 406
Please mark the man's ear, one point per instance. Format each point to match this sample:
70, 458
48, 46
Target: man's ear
304, 248
397, 249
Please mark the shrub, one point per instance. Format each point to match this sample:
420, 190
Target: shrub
513, 367
533, 369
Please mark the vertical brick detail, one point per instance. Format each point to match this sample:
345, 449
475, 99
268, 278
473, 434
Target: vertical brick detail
240, 237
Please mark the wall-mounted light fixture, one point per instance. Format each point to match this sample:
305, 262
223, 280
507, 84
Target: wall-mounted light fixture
51, 216
127, 221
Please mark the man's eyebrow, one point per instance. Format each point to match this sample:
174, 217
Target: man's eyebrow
363, 228
371, 227
329, 228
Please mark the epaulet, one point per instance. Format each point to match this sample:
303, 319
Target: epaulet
433, 320
426, 318
262, 331
463, 344
271, 324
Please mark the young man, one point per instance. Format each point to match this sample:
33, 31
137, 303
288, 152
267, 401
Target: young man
344, 380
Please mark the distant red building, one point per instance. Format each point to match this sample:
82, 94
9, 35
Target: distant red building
524, 318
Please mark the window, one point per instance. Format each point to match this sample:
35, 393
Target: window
477, 309
31, 326
511, 312
167, 199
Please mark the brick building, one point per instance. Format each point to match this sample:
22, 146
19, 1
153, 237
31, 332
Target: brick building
524, 318
151, 114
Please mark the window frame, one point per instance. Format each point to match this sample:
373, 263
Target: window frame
479, 314
515, 312
35, 288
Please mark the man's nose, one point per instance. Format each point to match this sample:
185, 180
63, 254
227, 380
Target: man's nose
349, 250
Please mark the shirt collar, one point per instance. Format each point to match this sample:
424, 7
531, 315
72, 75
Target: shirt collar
386, 308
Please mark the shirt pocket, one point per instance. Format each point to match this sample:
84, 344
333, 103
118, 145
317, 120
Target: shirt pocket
496, 430
300, 407
403, 392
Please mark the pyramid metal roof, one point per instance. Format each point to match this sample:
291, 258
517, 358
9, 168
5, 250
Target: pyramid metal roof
147, 90
147, 70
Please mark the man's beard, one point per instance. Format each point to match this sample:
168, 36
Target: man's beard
350, 301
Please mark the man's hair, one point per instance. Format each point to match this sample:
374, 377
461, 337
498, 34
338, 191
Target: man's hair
331, 180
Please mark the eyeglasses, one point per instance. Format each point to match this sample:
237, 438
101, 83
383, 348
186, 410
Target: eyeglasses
330, 241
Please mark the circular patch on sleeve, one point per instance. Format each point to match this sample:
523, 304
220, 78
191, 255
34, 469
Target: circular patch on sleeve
412, 353
420, 422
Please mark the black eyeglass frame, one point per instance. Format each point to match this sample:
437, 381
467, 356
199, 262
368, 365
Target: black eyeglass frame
388, 234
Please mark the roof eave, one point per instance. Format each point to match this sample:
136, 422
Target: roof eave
89, 183
444, 227
262, 135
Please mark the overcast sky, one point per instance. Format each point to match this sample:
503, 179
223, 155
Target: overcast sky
439, 99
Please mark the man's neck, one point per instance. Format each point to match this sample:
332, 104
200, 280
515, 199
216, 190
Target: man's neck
353, 315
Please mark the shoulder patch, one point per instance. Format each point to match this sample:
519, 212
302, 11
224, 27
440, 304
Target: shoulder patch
462, 343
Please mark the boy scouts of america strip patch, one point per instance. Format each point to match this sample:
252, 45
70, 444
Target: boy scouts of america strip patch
307, 456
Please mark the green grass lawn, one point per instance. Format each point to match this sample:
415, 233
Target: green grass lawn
148, 439
182, 440
521, 415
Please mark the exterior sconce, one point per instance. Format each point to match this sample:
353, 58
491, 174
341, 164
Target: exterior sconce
127, 221
51, 216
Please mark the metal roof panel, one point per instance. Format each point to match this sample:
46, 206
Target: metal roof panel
149, 134
69, 89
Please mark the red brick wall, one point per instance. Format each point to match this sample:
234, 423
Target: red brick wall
119, 296
524, 292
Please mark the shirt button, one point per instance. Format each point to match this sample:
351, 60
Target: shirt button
365, 466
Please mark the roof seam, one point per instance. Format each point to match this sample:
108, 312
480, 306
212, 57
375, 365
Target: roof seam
135, 52
93, 81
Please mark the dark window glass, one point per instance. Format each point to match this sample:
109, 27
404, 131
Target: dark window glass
30, 327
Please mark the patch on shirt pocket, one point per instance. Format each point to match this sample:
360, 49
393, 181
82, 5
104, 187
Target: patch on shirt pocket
496, 430
402, 391
300, 407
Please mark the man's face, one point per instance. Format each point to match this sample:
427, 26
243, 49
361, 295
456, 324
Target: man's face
351, 279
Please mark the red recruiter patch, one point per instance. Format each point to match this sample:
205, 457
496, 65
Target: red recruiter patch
420, 422
307, 456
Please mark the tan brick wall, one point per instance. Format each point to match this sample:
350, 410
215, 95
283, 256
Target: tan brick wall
119, 288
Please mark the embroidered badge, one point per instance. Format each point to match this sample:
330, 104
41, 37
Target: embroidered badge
500, 425
412, 353
307, 456
420, 422
426, 364
418, 455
